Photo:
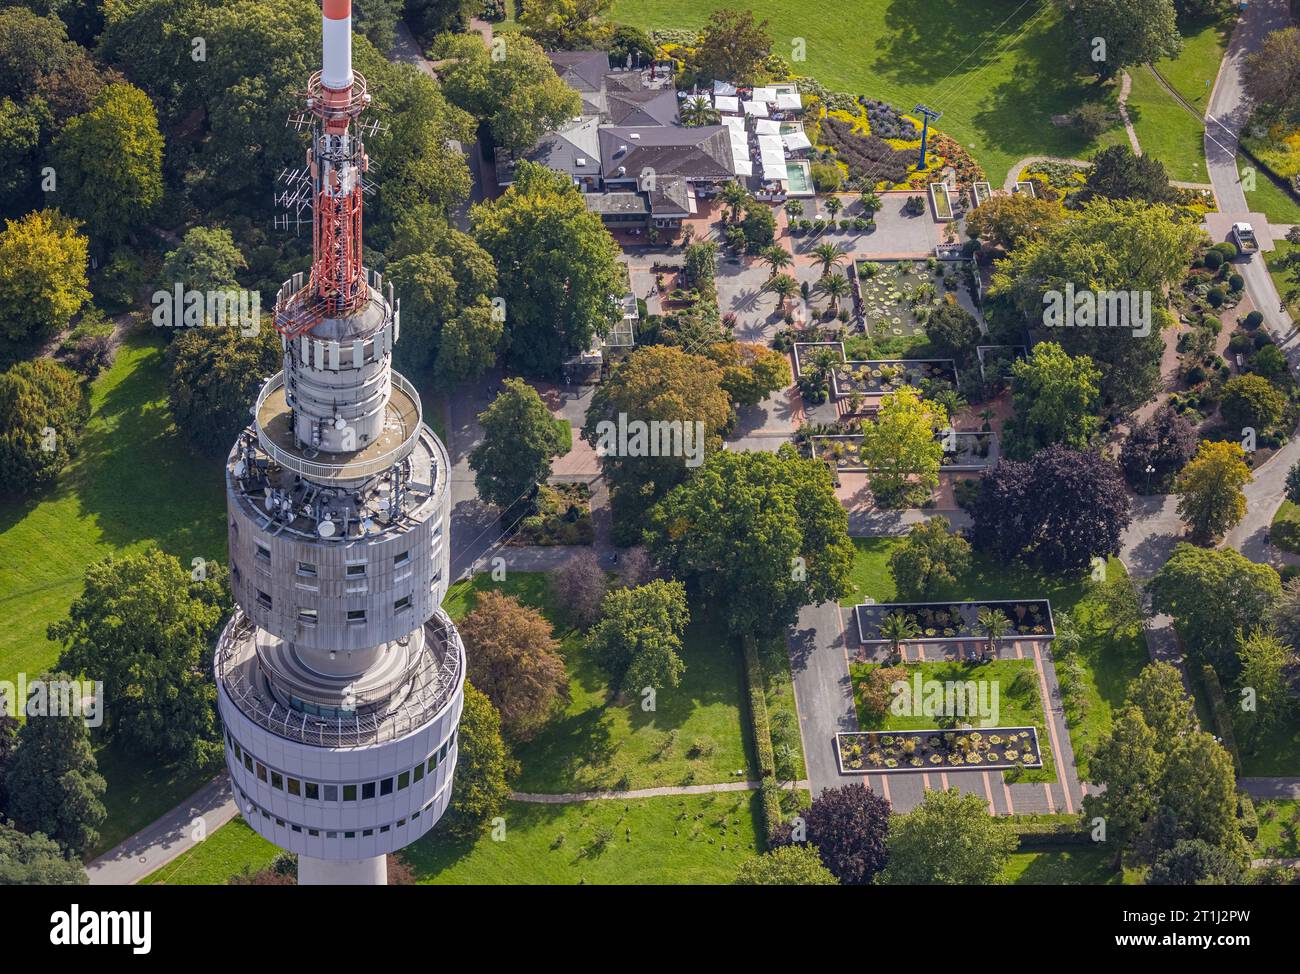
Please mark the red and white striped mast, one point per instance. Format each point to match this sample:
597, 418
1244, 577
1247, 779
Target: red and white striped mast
336, 161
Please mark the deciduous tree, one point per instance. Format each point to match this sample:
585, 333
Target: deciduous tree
43, 410
1212, 500
42, 275
1056, 396
932, 555
483, 764
901, 450
950, 840
848, 827
790, 865
519, 440
639, 638
213, 375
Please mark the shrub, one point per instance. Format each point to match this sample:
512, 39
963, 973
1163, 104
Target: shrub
1236, 282
1254, 319
1213, 260
1222, 715
1216, 296
1227, 250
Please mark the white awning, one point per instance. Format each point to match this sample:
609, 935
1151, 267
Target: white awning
796, 141
765, 95
744, 167
727, 103
767, 126
789, 101
723, 88
756, 108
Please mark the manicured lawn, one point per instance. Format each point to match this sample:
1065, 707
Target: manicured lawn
225, 853
1276, 753
1020, 703
996, 72
140, 790
670, 840
1270, 199
695, 734
1203, 47
1068, 865
135, 481
1288, 290
1165, 129
1285, 529
1279, 829
1108, 663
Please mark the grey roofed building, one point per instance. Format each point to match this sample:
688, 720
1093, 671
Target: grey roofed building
696, 154
670, 197
574, 148
617, 204
583, 71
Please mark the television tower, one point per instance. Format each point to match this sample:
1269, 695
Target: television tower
339, 678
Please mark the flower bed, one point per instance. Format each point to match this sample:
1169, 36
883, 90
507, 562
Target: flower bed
882, 752
956, 621
563, 517
883, 376
975, 451
898, 297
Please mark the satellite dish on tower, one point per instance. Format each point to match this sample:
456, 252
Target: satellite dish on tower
340, 423
326, 528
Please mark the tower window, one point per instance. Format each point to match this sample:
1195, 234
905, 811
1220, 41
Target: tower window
349, 793
367, 790
307, 568
295, 787
401, 559
403, 780
355, 571
307, 617
277, 781
403, 603
313, 790
263, 552
386, 786
356, 615
263, 599
331, 793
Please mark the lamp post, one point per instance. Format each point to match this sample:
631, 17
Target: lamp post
1149, 471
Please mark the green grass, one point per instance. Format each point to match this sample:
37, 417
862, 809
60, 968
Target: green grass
135, 481
695, 735
1279, 829
996, 71
1276, 753
566, 436
1068, 865
1269, 198
1285, 529
1165, 129
1108, 663
1203, 47
1020, 703
140, 791
672, 840
1287, 289
225, 853
778, 694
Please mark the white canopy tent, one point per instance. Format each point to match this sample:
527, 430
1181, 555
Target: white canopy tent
766, 95
724, 88
789, 101
796, 141
756, 108
727, 104
767, 126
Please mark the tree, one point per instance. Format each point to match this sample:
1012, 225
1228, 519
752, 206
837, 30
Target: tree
1056, 397
42, 275
1059, 509
468, 345
1212, 594
514, 456
483, 763
208, 259
1009, 220
517, 95
1265, 661
112, 199
661, 385
579, 585
790, 865
898, 628
8, 743
953, 331
777, 258
377, 21
783, 287
950, 840
1106, 246
1132, 32
697, 111
835, 287
514, 659
1210, 486
1129, 764
1251, 401
758, 534
734, 196
558, 267
1272, 74
828, 255
54, 783
639, 639
34, 860
1195, 862
631, 41
932, 555
428, 18
213, 375
1165, 443
1158, 693
1119, 610
900, 448
993, 624
1199, 792
146, 627
32, 48
750, 372
1285, 616
1117, 173
567, 25
43, 409
758, 226
733, 47
848, 828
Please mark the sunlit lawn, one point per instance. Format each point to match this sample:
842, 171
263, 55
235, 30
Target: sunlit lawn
1068, 865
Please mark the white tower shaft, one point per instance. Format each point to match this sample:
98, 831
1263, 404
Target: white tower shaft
336, 30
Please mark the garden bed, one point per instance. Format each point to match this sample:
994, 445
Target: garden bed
975, 451
898, 297
941, 622
989, 749
884, 376
563, 517
941, 201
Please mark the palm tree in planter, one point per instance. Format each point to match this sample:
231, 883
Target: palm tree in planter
698, 111
871, 202
794, 208
834, 205
783, 286
994, 625
987, 415
734, 196
898, 628
834, 286
830, 256
777, 258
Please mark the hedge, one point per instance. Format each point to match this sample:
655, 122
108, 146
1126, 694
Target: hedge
1222, 715
1247, 816
769, 790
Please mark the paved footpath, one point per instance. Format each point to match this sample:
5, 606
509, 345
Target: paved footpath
169, 837
660, 792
